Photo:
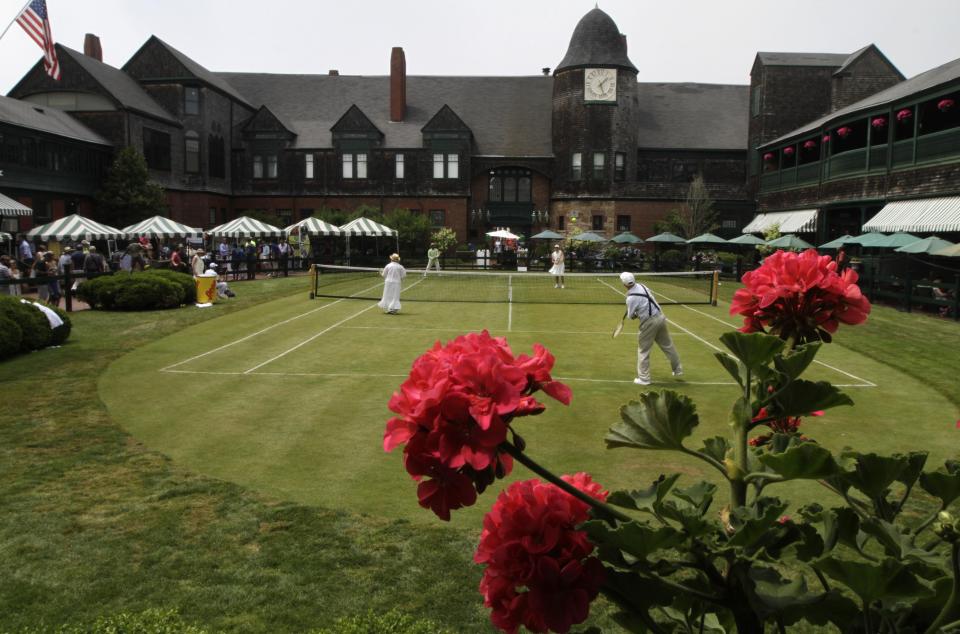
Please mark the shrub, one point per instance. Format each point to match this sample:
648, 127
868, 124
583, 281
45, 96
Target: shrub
672, 260
36, 333
393, 622
10, 337
185, 281
134, 291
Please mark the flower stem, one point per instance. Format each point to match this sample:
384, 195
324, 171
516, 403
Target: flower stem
951, 609
738, 485
605, 511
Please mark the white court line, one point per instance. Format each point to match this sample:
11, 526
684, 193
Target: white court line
461, 330
259, 332
509, 303
322, 332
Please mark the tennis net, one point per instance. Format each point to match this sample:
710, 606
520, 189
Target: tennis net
683, 287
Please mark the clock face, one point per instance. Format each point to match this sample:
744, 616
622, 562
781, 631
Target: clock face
600, 84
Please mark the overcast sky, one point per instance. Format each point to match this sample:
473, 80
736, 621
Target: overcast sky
710, 41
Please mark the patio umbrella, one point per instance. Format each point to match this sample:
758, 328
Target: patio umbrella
871, 239
588, 236
896, 240
927, 245
626, 238
949, 252
547, 235
666, 237
706, 238
503, 234
790, 241
747, 238
836, 243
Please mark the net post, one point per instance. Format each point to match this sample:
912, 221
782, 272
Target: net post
714, 287
314, 282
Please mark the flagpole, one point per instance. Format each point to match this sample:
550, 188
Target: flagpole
22, 9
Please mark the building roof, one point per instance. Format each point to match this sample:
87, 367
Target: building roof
920, 83
123, 88
201, 73
804, 59
596, 41
693, 116
46, 119
508, 116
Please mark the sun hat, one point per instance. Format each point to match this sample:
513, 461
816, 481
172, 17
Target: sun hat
627, 278
395, 257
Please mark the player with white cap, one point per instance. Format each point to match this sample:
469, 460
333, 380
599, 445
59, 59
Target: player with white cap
653, 328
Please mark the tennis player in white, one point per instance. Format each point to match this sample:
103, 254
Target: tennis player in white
653, 327
392, 273
557, 269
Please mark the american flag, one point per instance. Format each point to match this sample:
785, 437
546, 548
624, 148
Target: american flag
36, 23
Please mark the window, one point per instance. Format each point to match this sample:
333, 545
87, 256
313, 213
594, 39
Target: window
730, 223
361, 165
156, 149
619, 166
598, 222
755, 105
216, 157
354, 165
398, 167
446, 166
623, 223
576, 166
599, 162
305, 213
258, 167
191, 100
348, 165
272, 166
509, 185
285, 216
438, 218
523, 189
191, 148
212, 217
561, 222
308, 166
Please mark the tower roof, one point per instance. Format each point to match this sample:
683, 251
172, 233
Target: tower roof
596, 42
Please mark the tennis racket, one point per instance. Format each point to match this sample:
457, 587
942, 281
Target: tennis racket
619, 328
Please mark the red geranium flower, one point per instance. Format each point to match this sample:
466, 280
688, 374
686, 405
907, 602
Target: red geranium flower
879, 122
788, 151
809, 145
454, 410
768, 156
799, 296
844, 131
783, 425
826, 138
904, 114
539, 570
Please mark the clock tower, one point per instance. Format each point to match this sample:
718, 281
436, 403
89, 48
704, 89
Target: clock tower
595, 115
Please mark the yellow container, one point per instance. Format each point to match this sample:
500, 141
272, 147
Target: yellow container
206, 289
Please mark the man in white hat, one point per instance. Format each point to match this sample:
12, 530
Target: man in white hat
653, 327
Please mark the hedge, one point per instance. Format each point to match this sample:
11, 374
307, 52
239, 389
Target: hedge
148, 290
24, 328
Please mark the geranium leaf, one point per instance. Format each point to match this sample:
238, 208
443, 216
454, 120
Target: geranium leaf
716, 447
648, 499
634, 538
732, 366
754, 350
831, 607
873, 474
777, 593
802, 397
915, 463
941, 484
806, 461
659, 420
895, 543
887, 579
794, 363
752, 524
700, 495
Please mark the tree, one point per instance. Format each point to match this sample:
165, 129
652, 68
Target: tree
128, 194
770, 233
444, 238
697, 216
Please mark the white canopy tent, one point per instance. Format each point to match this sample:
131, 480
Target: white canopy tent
10, 207
313, 226
246, 227
75, 227
366, 227
160, 227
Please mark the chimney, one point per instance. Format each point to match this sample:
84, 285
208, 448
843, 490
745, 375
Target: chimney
333, 72
545, 70
91, 47
398, 84
623, 38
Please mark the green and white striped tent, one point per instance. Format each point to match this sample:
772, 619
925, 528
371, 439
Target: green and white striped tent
367, 227
10, 207
160, 227
5, 237
75, 227
313, 226
244, 227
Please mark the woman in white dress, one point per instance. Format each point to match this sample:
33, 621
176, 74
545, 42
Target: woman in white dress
392, 275
557, 269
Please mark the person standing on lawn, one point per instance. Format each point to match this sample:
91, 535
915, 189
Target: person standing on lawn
433, 259
393, 274
653, 328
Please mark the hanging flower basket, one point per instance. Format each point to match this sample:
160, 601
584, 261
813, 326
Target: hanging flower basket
768, 156
944, 104
826, 138
809, 145
788, 151
879, 122
903, 115
844, 132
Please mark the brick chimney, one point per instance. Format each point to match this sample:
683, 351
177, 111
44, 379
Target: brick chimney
398, 84
91, 47
623, 38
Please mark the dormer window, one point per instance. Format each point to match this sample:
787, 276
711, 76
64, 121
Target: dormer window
354, 165
446, 166
191, 100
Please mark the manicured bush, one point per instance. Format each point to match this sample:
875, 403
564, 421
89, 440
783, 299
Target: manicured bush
10, 337
185, 281
672, 260
33, 323
393, 622
134, 291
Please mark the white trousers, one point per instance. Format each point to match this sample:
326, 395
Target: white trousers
434, 262
654, 329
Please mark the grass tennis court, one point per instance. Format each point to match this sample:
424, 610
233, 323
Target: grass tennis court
289, 397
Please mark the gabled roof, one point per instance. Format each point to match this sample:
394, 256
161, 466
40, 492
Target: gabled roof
46, 119
196, 70
120, 86
802, 59
354, 120
854, 56
264, 119
509, 116
446, 120
929, 80
693, 116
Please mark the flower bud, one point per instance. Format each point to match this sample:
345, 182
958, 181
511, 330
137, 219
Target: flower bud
945, 528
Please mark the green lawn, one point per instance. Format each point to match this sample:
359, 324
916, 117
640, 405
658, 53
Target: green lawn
264, 502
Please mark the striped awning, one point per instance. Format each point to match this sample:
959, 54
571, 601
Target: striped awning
366, 227
160, 227
5, 237
313, 226
244, 227
925, 215
799, 221
75, 227
10, 207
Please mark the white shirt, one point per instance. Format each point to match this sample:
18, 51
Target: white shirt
393, 272
641, 303
557, 257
